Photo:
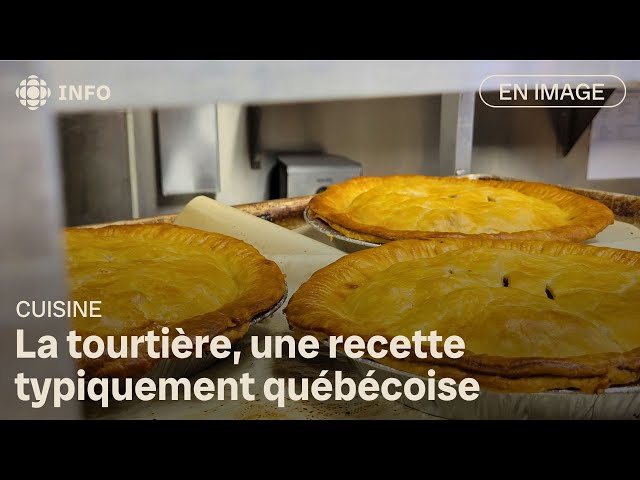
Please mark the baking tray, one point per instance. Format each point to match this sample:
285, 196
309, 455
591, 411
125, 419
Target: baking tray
286, 212
617, 403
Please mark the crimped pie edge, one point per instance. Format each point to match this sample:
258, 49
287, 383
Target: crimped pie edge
591, 216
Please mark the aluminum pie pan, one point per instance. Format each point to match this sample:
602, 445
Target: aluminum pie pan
269, 313
342, 241
187, 367
616, 403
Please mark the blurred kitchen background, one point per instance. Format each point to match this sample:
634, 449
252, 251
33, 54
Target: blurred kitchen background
139, 163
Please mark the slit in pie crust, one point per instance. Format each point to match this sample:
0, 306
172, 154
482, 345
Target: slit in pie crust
534, 316
380, 209
151, 276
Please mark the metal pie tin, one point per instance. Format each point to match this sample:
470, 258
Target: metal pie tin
340, 240
616, 403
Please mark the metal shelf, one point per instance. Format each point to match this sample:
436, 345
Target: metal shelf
172, 83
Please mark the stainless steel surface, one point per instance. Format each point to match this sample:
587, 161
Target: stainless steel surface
144, 150
318, 163
341, 241
301, 175
132, 163
260, 81
456, 133
143, 158
95, 161
619, 403
188, 149
31, 265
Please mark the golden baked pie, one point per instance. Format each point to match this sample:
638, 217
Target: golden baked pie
151, 276
534, 315
380, 209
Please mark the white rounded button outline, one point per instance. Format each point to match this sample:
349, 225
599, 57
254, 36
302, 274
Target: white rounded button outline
552, 106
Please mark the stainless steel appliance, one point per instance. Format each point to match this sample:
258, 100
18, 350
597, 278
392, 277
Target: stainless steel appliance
296, 175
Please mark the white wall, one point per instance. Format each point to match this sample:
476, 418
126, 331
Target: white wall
392, 135
238, 182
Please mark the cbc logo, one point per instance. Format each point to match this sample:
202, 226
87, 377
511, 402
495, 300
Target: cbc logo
33, 92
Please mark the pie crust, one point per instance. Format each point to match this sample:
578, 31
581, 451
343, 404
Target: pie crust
534, 315
380, 209
151, 276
